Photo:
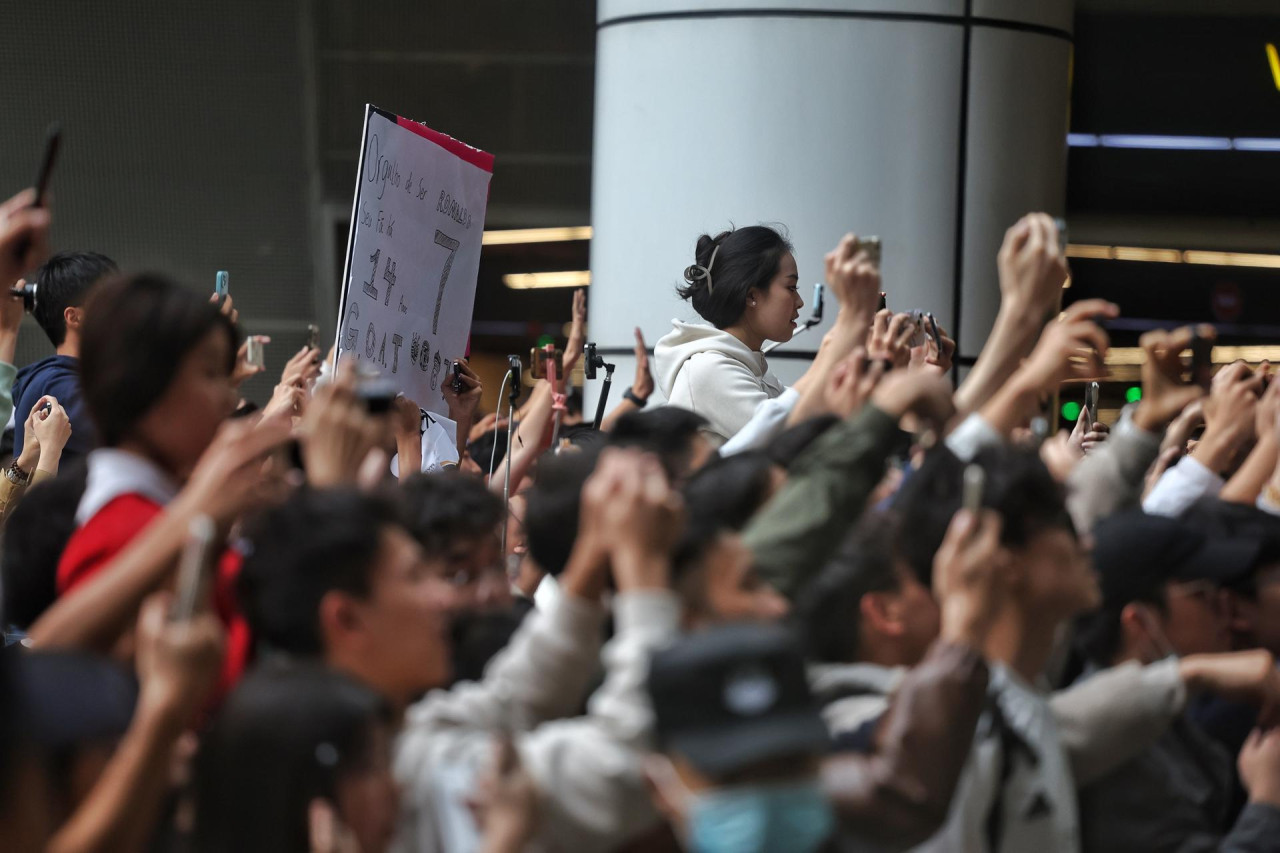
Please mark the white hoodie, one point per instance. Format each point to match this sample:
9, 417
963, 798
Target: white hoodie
709, 371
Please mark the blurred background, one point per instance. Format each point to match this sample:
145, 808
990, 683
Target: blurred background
203, 136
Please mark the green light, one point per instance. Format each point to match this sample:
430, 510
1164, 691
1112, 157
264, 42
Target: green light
1133, 394
544, 340
1071, 410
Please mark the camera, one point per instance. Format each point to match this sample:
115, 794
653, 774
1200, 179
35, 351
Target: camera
27, 293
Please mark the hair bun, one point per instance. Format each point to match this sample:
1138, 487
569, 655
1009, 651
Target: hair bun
695, 273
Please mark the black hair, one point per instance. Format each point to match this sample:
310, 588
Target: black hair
666, 431
828, 612
312, 544
64, 282
1018, 486
552, 507
34, 537
787, 447
136, 333
440, 509
746, 259
584, 435
728, 491
286, 736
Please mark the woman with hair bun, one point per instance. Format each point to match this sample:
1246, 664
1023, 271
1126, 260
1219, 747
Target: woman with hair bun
744, 283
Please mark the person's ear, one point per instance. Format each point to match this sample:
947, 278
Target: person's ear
73, 317
341, 621
1137, 636
882, 613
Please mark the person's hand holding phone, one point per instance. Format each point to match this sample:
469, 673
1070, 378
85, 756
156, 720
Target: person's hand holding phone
891, 336
338, 433
1229, 414
972, 576
851, 383
52, 428
1032, 267
577, 336
463, 404
853, 279
177, 662
1164, 392
246, 366
233, 475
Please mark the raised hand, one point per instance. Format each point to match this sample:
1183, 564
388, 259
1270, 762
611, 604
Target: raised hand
922, 394
577, 334
642, 387
851, 383
177, 662
338, 433
1032, 268
1260, 766
233, 475
1164, 394
462, 406
891, 336
52, 430
1072, 347
21, 225
302, 369
1230, 415
246, 369
971, 576
852, 278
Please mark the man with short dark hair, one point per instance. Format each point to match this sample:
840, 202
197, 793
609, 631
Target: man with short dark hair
63, 285
1160, 581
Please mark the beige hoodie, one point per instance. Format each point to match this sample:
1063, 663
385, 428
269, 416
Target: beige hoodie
709, 371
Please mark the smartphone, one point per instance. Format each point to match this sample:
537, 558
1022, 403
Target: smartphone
1062, 234
52, 140
313, 335
933, 330
975, 482
377, 394
255, 353
538, 358
1202, 361
1091, 403
818, 290
221, 284
458, 386
870, 245
195, 570
884, 301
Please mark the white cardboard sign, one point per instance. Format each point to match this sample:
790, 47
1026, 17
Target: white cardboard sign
409, 282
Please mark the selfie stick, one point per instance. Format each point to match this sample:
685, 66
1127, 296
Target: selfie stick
513, 376
814, 319
594, 363
557, 397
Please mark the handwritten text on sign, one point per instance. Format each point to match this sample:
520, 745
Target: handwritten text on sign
413, 254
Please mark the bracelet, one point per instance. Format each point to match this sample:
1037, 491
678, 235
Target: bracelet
16, 475
631, 395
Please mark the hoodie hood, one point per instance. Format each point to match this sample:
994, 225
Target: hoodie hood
45, 372
688, 339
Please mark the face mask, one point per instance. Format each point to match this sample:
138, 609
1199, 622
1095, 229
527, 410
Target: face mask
772, 819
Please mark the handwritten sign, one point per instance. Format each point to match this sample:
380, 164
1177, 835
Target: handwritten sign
412, 257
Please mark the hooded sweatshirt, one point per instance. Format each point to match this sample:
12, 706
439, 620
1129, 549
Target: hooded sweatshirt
709, 371
57, 376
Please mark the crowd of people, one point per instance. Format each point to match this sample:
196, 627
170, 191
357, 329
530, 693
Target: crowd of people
873, 610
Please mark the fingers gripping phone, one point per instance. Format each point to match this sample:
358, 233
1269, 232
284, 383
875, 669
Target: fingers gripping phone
1202, 361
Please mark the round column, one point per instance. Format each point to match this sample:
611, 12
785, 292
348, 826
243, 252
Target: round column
934, 124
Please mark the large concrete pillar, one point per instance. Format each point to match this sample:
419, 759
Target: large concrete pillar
932, 123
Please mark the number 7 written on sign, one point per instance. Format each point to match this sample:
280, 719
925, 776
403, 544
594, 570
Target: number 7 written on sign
443, 239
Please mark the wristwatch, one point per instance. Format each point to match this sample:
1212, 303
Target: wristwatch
16, 475
629, 394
